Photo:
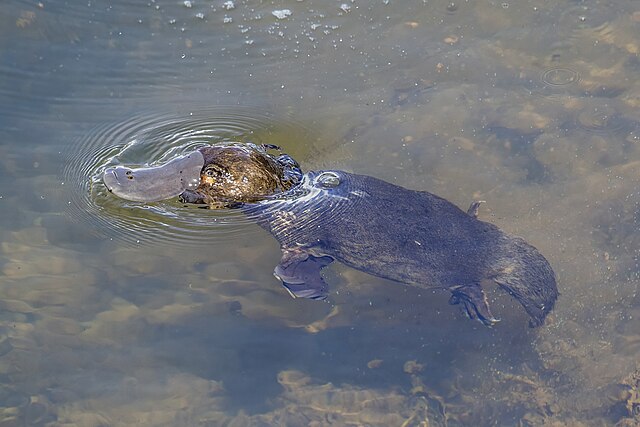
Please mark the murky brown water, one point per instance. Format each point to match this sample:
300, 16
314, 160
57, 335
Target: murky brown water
122, 315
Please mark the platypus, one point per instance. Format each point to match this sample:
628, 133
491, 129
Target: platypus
411, 237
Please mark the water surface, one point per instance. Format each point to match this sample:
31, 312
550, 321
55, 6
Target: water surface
130, 314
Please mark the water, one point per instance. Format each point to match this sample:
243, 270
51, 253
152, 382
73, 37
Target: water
110, 318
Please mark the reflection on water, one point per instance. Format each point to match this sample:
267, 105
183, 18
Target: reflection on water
528, 105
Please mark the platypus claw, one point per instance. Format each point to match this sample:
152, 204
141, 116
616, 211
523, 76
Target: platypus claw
474, 303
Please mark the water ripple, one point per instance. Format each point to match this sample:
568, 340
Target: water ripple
560, 76
601, 119
151, 140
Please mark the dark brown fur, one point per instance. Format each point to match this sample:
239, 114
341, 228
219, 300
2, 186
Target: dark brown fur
238, 173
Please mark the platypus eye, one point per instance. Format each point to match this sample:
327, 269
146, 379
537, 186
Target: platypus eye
328, 179
213, 171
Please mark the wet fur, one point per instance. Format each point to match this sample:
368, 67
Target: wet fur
241, 173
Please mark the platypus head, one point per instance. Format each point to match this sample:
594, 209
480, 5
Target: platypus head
241, 173
220, 176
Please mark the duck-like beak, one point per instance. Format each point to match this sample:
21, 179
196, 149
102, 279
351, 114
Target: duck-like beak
156, 183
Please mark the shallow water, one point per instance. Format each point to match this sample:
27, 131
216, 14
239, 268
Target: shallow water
128, 314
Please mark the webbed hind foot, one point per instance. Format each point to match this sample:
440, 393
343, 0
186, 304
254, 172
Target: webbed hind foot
474, 302
474, 207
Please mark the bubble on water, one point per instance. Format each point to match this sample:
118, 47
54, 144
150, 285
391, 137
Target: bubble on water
281, 14
228, 5
200, 15
227, 19
345, 7
328, 180
452, 7
560, 76
187, 4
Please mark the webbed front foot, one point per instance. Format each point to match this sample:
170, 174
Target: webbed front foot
474, 302
190, 196
299, 272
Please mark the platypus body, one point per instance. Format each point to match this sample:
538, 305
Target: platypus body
413, 237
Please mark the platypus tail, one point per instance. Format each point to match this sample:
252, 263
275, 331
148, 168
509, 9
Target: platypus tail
523, 272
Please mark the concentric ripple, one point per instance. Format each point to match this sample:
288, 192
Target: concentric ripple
153, 140
600, 119
556, 83
560, 76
